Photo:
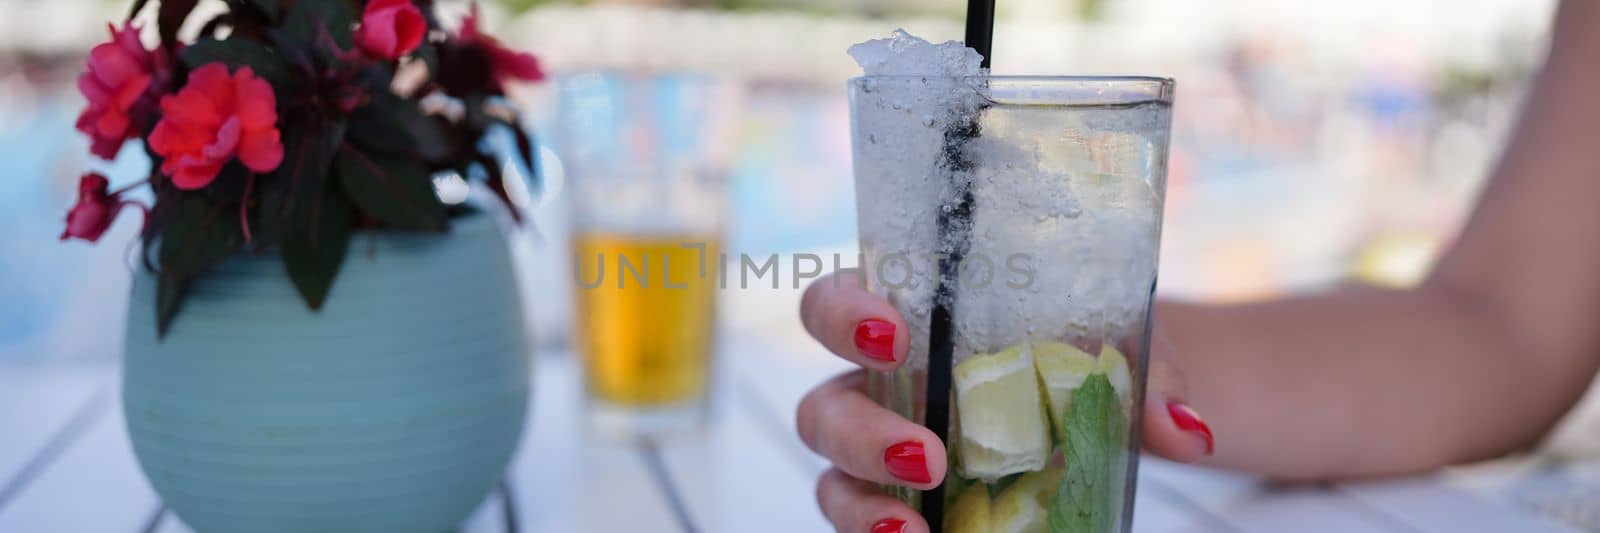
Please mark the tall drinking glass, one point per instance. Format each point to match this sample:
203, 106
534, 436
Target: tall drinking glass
1014, 222
645, 158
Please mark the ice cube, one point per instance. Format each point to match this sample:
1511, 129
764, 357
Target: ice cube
904, 54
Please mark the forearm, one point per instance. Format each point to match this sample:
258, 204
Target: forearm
1480, 361
1360, 382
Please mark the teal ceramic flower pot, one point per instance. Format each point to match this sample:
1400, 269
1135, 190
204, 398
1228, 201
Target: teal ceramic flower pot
395, 408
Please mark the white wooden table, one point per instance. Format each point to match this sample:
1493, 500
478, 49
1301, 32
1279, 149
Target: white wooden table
66, 466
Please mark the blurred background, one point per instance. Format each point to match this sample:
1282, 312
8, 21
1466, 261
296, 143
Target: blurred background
1314, 141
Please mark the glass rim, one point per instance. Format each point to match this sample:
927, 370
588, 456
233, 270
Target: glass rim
1091, 91
1055, 78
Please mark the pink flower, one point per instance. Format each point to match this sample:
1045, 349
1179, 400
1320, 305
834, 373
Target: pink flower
390, 28
214, 118
121, 80
95, 210
506, 63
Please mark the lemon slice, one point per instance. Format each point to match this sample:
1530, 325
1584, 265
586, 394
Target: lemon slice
1115, 365
1023, 506
970, 513
1062, 367
1003, 428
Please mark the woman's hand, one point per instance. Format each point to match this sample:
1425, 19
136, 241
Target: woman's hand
870, 445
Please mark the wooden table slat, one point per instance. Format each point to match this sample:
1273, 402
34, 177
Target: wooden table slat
489, 517
565, 480
1246, 505
749, 468
737, 474
171, 524
95, 485
1156, 511
1430, 504
42, 411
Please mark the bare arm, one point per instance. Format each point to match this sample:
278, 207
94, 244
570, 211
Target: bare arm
1482, 360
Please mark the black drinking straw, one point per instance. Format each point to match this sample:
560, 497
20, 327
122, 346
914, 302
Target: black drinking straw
955, 227
980, 28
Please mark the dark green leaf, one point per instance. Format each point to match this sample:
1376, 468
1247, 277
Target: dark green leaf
195, 233
531, 168
496, 181
491, 168
530, 160
429, 54
165, 204
199, 234
428, 13
476, 115
307, 19
296, 53
268, 226
313, 253
396, 190
380, 127
309, 144
269, 7
466, 72
1089, 500
170, 16
239, 52
138, 5
209, 29
304, 212
170, 291
229, 184
437, 142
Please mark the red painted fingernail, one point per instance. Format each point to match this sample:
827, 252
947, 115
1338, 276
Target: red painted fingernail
1188, 420
889, 525
875, 339
907, 461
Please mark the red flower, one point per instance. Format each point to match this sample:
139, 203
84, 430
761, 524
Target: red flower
212, 119
121, 81
505, 62
92, 215
390, 28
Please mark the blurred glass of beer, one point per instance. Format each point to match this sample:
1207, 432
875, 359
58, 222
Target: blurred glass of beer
645, 158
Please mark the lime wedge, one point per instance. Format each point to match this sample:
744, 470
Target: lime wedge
1062, 368
1115, 365
1023, 507
970, 512
1003, 428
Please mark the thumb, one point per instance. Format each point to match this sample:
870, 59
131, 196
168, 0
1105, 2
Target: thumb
1171, 429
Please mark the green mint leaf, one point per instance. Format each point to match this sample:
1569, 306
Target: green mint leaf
1089, 500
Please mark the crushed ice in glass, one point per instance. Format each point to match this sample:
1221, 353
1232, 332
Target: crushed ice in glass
904, 54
